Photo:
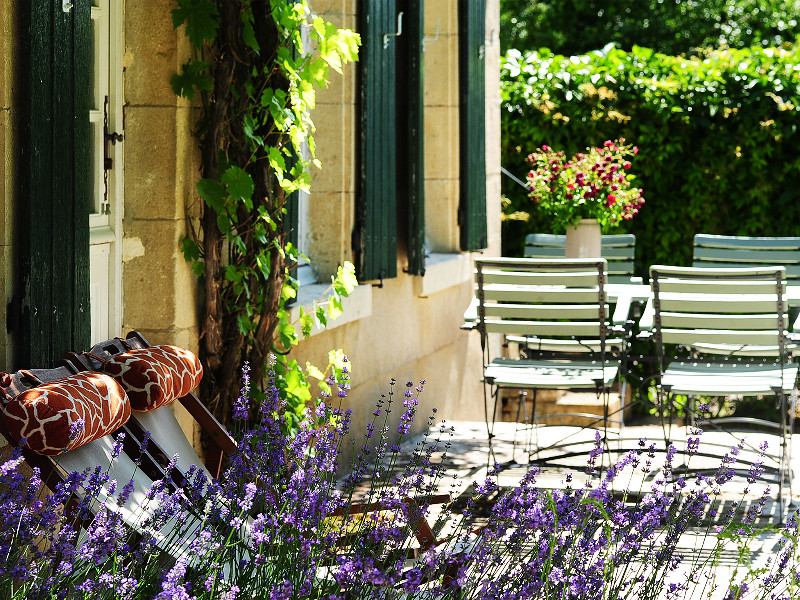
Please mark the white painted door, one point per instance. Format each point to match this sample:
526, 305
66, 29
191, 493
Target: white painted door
105, 220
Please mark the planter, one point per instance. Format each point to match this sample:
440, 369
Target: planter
584, 240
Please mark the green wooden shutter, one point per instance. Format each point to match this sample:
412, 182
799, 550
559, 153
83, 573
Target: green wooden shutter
411, 133
375, 238
55, 181
472, 116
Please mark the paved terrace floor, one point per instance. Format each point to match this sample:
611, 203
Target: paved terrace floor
467, 457
565, 449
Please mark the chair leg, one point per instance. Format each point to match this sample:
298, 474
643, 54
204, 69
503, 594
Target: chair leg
665, 403
521, 408
534, 427
790, 432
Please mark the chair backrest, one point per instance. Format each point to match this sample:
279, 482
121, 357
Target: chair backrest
738, 311
161, 423
738, 251
542, 298
617, 249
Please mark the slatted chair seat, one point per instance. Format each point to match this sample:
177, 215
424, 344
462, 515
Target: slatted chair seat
617, 249
713, 379
551, 374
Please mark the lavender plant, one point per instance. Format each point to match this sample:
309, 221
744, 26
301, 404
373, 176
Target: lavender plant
283, 523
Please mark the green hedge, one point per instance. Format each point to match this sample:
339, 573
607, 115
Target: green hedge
719, 150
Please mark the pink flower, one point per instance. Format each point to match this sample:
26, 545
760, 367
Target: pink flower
626, 165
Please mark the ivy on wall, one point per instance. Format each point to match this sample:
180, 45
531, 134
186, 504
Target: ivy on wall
255, 71
719, 150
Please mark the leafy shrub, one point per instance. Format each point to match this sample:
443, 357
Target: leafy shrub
717, 136
676, 27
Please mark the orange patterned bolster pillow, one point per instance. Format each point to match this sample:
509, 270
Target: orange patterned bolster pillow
48, 415
155, 376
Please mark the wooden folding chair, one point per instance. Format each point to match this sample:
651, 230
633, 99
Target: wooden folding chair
161, 423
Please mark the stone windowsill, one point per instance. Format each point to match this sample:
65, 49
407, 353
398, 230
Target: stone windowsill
357, 305
443, 271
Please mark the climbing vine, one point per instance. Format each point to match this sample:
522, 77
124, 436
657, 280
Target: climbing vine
255, 69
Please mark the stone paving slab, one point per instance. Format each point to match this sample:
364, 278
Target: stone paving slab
468, 458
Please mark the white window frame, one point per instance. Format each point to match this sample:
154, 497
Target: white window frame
105, 219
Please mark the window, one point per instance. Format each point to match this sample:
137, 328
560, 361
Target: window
105, 214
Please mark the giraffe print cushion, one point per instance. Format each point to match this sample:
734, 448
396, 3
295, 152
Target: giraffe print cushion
155, 376
48, 415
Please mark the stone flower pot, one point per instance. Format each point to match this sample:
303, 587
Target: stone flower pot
584, 239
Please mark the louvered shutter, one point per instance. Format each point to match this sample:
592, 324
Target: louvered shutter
54, 180
411, 130
375, 240
472, 115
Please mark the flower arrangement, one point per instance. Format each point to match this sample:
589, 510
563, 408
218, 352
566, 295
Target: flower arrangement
594, 184
280, 524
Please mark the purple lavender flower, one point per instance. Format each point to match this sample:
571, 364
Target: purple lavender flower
241, 406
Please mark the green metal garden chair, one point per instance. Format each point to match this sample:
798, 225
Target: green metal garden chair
556, 311
720, 251
617, 249
721, 333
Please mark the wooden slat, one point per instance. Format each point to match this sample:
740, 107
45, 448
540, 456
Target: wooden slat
743, 242
376, 213
472, 123
411, 135
607, 241
610, 253
792, 270
577, 279
533, 311
670, 320
720, 287
63, 135
710, 336
540, 251
734, 255
81, 152
549, 374
538, 295
563, 346
728, 379
725, 304
547, 328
